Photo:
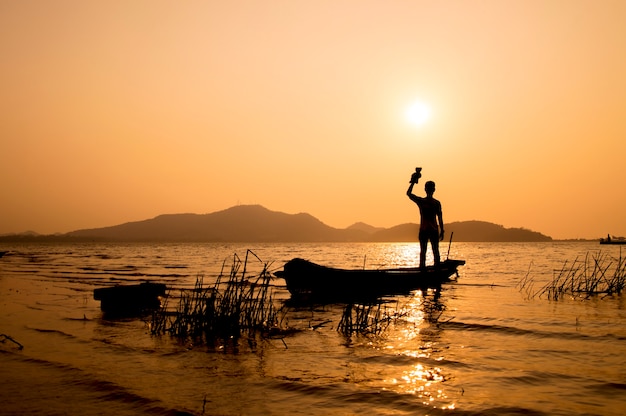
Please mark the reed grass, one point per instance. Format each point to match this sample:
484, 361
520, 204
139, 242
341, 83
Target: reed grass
374, 318
365, 319
598, 274
242, 303
237, 303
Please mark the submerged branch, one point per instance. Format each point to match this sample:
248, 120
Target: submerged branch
4, 338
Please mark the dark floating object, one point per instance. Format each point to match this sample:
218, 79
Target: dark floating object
309, 281
130, 299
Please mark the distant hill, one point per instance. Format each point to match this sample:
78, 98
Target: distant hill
485, 231
361, 226
468, 231
244, 223
254, 223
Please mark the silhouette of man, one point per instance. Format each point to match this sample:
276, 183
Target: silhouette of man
430, 213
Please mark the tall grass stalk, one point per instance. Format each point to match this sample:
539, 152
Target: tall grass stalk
374, 318
236, 304
365, 319
598, 274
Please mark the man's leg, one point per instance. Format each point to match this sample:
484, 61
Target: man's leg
423, 248
433, 237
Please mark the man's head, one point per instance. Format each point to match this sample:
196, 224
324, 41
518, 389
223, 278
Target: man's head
429, 187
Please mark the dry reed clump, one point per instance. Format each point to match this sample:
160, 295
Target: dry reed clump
365, 319
596, 275
373, 318
234, 305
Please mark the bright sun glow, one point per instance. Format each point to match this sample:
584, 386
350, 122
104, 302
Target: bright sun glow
418, 113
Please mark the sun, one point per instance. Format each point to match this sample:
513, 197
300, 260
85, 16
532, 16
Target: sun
418, 113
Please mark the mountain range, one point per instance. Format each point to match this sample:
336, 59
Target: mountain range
255, 223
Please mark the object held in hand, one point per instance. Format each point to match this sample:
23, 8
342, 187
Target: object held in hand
416, 175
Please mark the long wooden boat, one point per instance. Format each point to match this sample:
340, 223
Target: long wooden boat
129, 299
311, 281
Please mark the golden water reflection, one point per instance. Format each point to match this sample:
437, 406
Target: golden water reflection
416, 338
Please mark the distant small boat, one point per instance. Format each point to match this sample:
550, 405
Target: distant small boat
130, 299
613, 240
311, 281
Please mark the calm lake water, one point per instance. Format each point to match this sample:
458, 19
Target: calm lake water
492, 351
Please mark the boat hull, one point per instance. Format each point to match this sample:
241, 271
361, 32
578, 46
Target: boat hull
308, 280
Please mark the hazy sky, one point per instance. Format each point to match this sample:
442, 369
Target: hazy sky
117, 111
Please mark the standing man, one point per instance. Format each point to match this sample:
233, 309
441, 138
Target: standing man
430, 213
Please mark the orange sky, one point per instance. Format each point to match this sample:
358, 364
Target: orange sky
117, 111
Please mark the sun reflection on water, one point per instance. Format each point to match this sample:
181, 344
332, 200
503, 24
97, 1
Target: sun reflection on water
422, 382
416, 338
412, 341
